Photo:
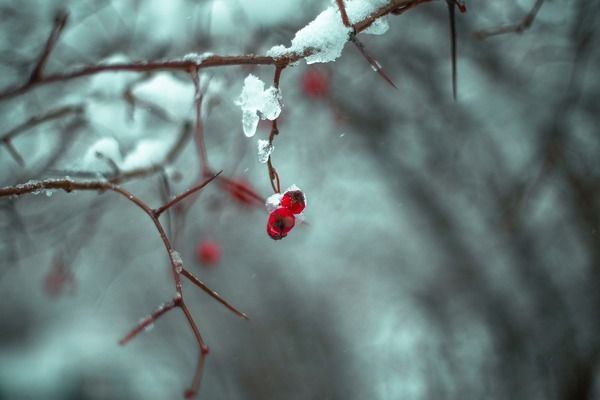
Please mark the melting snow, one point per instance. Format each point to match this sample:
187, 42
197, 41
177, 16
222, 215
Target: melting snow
257, 103
326, 35
264, 150
273, 202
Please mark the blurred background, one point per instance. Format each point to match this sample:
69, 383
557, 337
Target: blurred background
451, 249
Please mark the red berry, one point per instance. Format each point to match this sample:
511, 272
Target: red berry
293, 201
281, 221
315, 83
208, 252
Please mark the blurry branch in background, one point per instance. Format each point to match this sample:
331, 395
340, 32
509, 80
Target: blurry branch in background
7, 137
118, 176
519, 27
60, 20
190, 64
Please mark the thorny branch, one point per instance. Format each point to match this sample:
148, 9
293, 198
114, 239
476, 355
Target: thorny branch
187, 64
177, 267
192, 66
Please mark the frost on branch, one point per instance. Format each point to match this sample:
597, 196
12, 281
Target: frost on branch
257, 103
325, 36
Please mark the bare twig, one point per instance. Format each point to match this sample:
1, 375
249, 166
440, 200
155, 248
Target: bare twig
69, 185
273, 175
157, 212
451, 17
187, 64
519, 27
343, 13
148, 321
198, 131
7, 137
59, 23
212, 293
375, 65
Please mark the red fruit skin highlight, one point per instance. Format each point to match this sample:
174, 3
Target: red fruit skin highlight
293, 201
281, 221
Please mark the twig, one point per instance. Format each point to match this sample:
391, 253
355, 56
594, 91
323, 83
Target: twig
451, 17
212, 293
198, 131
7, 137
185, 65
273, 175
342, 7
59, 23
157, 212
519, 27
69, 185
373, 62
149, 320
193, 390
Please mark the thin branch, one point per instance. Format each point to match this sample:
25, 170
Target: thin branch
157, 212
124, 176
519, 27
14, 153
273, 175
187, 64
32, 122
375, 65
148, 321
343, 13
195, 386
451, 17
59, 23
198, 131
212, 293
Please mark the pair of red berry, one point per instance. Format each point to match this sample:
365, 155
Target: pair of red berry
284, 209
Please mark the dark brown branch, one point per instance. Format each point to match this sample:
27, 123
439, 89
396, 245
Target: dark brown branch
148, 321
519, 27
157, 212
273, 175
396, 7
451, 17
343, 13
195, 386
212, 293
59, 23
187, 64
373, 62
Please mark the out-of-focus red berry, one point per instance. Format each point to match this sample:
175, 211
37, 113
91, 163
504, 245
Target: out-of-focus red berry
208, 252
242, 192
315, 83
58, 279
293, 201
281, 221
